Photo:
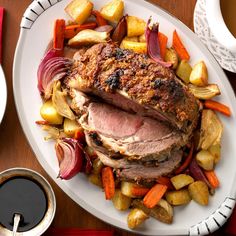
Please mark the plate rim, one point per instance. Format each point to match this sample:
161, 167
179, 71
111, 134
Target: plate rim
195, 229
3, 90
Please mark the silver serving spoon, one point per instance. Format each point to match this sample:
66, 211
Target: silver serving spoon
16, 221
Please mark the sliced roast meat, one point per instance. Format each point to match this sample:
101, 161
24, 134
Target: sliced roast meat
135, 83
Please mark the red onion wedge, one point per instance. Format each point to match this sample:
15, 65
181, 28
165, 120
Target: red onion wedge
153, 47
104, 28
53, 67
120, 30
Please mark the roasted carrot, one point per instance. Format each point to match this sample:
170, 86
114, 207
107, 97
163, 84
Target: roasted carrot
99, 19
179, 47
217, 106
165, 181
154, 195
59, 32
212, 178
42, 122
139, 191
162, 38
79, 135
186, 161
108, 182
72, 30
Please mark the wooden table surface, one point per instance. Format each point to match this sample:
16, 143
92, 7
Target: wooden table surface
14, 148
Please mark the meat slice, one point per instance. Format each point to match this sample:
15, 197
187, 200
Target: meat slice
133, 136
135, 83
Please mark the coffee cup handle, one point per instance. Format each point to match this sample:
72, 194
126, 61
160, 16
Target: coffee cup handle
218, 26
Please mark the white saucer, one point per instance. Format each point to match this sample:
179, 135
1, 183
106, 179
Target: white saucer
226, 59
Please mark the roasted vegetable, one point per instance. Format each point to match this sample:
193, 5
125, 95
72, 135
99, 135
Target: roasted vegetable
217, 106
99, 18
205, 160
215, 152
183, 71
133, 190
142, 38
211, 129
53, 132
95, 179
108, 182
178, 197
212, 178
113, 10
171, 56
181, 180
120, 201
163, 211
120, 30
199, 74
199, 192
206, 92
97, 166
136, 217
60, 103
135, 26
70, 127
132, 39
59, 34
79, 10
135, 46
87, 37
49, 113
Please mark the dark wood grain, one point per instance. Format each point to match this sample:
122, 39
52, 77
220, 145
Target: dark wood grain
14, 149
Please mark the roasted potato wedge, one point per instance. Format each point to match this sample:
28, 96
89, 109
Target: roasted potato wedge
178, 197
172, 56
97, 166
206, 92
113, 10
79, 10
135, 26
135, 46
135, 218
215, 151
199, 192
205, 160
120, 201
163, 211
211, 129
131, 39
49, 113
181, 180
142, 38
88, 37
70, 127
95, 179
126, 189
183, 71
199, 74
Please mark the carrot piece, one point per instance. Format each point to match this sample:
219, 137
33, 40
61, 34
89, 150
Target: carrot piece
108, 182
162, 38
79, 135
217, 106
58, 36
99, 19
139, 191
165, 181
72, 30
212, 178
186, 161
41, 122
179, 47
154, 195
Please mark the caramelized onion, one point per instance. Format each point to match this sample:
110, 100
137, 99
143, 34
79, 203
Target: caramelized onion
104, 28
120, 30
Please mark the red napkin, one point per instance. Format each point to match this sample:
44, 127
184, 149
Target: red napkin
1, 21
230, 226
77, 232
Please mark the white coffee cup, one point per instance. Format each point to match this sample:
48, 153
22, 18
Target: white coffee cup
218, 26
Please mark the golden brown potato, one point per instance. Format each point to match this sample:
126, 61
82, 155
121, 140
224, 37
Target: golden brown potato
215, 151
126, 188
142, 38
135, 26
97, 166
49, 113
79, 10
178, 197
70, 127
199, 74
95, 179
88, 37
132, 39
135, 218
172, 56
120, 201
205, 160
199, 192
211, 129
113, 10
135, 46
183, 71
181, 180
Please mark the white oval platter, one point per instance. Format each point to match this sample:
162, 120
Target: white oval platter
193, 219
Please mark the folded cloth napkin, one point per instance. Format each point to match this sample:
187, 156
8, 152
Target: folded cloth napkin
1, 22
77, 232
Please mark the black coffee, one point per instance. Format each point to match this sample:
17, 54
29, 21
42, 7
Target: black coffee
24, 196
